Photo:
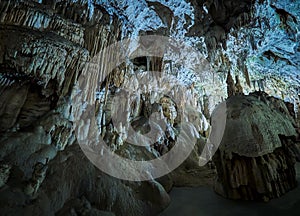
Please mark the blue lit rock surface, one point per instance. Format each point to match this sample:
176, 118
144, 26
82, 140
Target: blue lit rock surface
43, 49
269, 45
258, 41
44, 46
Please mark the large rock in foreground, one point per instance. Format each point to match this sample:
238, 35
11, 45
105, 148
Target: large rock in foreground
252, 163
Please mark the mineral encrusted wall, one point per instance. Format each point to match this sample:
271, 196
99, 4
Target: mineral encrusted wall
44, 47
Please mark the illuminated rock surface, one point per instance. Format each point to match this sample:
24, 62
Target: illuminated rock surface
45, 46
252, 162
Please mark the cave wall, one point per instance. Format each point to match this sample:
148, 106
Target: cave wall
44, 48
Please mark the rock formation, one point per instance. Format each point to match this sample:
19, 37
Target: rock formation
230, 85
47, 45
44, 48
238, 86
253, 161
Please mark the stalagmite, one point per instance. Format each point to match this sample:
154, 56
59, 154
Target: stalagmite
253, 162
261, 85
71, 104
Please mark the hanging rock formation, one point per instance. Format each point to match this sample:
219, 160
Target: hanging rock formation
45, 46
43, 49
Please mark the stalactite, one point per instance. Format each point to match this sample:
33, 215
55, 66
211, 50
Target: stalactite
261, 85
238, 86
298, 115
230, 85
246, 75
148, 63
206, 107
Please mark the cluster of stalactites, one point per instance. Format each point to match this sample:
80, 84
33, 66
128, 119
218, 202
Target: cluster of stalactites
233, 88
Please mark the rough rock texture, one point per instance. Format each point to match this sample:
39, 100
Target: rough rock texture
190, 174
257, 40
264, 49
43, 50
253, 162
71, 175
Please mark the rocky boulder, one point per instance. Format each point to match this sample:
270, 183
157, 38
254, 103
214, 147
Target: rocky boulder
252, 162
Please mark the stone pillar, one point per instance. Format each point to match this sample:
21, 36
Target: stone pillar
252, 162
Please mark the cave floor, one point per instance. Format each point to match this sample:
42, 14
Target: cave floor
202, 201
